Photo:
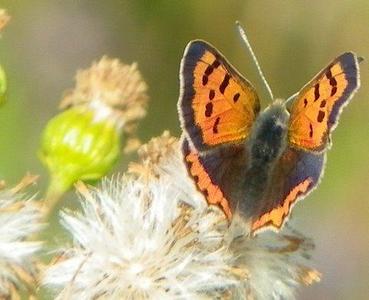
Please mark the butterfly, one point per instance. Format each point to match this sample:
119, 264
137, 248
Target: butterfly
257, 163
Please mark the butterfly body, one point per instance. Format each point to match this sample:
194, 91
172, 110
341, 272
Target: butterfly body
257, 164
264, 148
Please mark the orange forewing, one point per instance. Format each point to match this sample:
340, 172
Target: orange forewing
316, 109
223, 104
212, 192
235, 118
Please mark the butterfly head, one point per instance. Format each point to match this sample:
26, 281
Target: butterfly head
268, 139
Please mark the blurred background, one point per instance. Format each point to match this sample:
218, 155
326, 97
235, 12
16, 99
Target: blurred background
47, 41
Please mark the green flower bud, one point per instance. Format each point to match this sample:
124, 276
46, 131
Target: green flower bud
79, 144
83, 142
3, 85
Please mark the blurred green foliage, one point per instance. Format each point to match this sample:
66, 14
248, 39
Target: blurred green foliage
3, 85
46, 41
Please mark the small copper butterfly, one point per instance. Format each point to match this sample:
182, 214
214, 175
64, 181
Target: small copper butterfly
257, 163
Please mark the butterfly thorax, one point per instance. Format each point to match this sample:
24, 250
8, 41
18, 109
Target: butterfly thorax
268, 136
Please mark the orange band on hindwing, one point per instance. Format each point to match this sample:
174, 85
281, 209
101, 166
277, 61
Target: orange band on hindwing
212, 192
276, 216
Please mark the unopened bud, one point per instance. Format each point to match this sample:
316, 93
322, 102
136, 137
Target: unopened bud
78, 145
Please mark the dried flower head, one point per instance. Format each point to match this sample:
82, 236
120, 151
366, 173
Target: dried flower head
152, 236
114, 84
4, 18
19, 220
152, 153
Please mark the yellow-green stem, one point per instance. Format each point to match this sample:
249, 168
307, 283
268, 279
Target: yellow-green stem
55, 191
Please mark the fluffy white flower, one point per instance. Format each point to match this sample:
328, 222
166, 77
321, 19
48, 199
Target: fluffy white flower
277, 262
19, 219
130, 243
152, 236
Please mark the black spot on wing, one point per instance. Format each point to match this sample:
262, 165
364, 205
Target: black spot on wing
211, 94
329, 73
236, 97
205, 79
332, 81
311, 132
208, 109
216, 64
316, 91
209, 70
320, 117
215, 126
224, 83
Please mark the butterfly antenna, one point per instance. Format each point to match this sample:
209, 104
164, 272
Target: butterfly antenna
248, 45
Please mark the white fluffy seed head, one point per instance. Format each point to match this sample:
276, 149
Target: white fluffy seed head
133, 241
150, 235
20, 218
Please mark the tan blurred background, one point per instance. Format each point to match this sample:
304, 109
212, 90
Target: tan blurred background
47, 41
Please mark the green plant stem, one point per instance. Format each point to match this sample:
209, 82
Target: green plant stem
55, 191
